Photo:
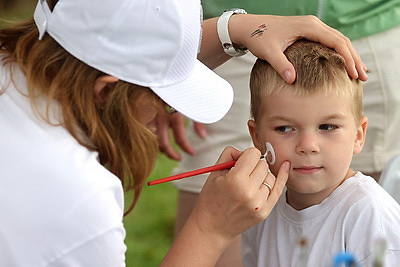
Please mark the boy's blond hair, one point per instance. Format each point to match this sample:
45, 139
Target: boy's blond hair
318, 69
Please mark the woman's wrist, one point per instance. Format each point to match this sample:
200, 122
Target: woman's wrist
229, 47
238, 31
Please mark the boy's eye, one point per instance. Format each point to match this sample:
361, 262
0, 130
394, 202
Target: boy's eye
284, 129
328, 127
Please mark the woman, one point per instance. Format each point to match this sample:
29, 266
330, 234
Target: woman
84, 86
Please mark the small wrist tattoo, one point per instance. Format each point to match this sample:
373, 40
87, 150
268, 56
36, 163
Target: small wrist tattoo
259, 31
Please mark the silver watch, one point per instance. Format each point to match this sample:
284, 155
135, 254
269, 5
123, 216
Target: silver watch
223, 33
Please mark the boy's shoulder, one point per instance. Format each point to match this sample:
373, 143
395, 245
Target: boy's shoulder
361, 187
364, 184
361, 194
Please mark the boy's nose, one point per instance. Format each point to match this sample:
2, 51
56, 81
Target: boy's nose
307, 144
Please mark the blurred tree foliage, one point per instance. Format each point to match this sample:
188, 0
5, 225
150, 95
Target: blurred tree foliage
16, 9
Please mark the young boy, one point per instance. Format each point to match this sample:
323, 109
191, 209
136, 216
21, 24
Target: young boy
317, 124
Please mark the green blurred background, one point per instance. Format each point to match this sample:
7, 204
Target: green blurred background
150, 225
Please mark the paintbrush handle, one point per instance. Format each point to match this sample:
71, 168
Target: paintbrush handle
218, 167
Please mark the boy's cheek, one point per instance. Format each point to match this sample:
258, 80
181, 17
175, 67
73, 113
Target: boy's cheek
279, 159
275, 168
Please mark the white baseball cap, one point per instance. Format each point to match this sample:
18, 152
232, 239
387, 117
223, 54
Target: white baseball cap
152, 43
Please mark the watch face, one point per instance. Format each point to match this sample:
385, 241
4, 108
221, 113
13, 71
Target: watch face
226, 46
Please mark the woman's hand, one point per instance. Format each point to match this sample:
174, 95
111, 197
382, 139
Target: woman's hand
267, 36
234, 200
231, 202
176, 123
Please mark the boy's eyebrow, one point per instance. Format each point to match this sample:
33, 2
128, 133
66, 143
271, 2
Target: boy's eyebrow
289, 119
335, 116
278, 118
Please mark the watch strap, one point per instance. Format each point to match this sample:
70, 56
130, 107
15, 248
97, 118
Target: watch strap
223, 33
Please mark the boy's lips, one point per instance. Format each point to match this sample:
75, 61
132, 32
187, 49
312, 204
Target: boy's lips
307, 169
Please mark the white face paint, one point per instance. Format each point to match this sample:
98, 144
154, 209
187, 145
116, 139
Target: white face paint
270, 154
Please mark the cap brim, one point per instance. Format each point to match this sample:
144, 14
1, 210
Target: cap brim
203, 97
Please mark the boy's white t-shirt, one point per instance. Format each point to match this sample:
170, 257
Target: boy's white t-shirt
352, 219
58, 205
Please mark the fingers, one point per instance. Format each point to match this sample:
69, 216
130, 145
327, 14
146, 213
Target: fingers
320, 32
229, 153
277, 188
268, 182
177, 121
280, 63
200, 129
249, 165
270, 190
354, 65
360, 68
247, 174
163, 135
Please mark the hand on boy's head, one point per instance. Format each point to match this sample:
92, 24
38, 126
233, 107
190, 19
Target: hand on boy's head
285, 69
279, 32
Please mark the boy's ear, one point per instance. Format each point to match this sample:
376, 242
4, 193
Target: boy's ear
360, 135
99, 85
251, 124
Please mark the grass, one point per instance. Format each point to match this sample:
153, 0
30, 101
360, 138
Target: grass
150, 226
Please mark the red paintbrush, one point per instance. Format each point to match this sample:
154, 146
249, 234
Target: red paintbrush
218, 167
213, 168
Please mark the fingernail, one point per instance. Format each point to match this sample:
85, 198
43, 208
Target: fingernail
366, 72
356, 72
287, 166
287, 75
203, 133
